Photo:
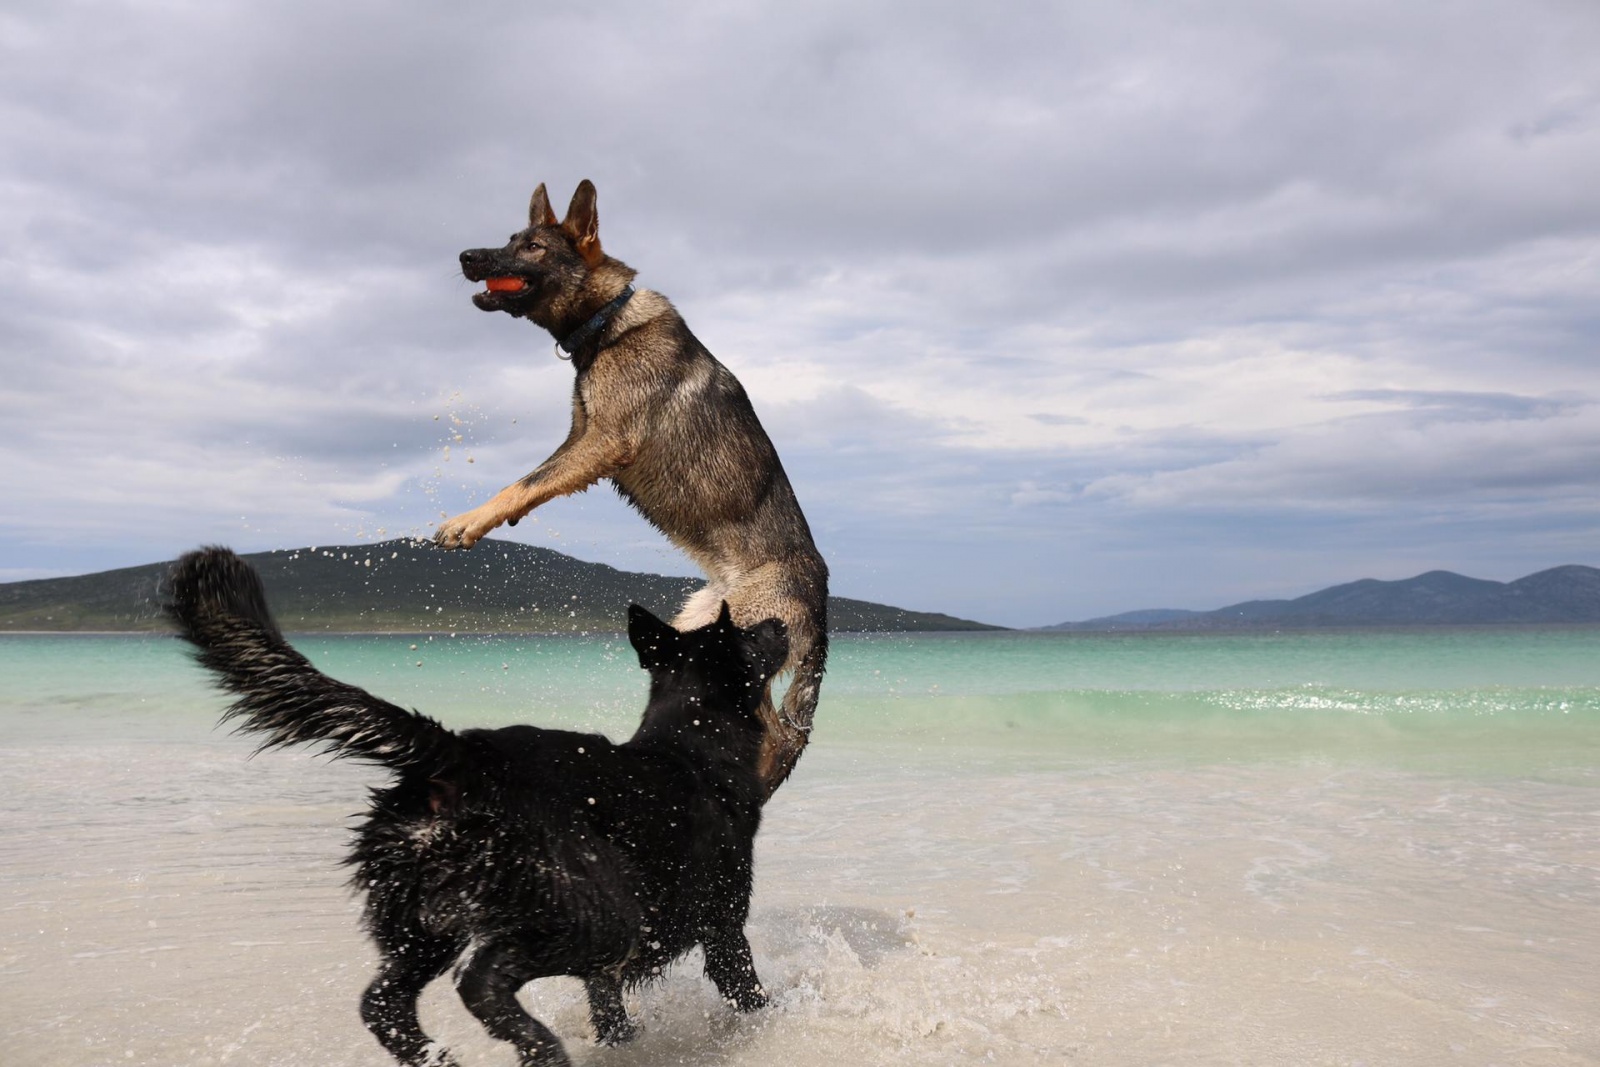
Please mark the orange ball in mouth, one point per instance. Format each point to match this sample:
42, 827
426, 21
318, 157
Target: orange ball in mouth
505, 285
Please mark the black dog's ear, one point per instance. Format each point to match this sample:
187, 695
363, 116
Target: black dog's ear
725, 616
583, 223
539, 212
654, 640
769, 640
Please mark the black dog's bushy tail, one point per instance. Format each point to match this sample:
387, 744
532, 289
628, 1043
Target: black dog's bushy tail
220, 607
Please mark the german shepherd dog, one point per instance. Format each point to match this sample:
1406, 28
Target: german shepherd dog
531, 852
672, 428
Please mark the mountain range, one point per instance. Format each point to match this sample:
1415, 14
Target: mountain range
504, 586
411, 586
1560, 595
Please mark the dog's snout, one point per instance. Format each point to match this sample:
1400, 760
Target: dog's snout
477, 263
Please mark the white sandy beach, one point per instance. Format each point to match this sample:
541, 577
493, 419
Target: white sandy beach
175, 904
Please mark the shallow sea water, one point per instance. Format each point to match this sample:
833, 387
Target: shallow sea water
1018, 849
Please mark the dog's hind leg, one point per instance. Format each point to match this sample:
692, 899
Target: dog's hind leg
788, 728
389, 1006
732, 970
488, 986
610, 1018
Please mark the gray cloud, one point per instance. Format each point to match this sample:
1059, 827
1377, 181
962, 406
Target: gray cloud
1047, 313
1457, 406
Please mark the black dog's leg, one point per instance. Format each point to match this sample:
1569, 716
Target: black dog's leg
389, 1006
488, 986
729, 965
610, 1018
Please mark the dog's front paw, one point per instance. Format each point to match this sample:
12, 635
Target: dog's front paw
463, 531
439, 1056
750, 998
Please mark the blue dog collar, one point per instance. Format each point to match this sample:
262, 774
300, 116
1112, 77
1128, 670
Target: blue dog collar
582, 335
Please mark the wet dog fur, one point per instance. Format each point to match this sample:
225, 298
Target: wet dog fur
671, 427
524, 852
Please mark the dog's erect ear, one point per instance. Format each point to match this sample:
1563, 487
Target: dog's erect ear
539, 213
769, 640
654, 640
583, 223
724, 617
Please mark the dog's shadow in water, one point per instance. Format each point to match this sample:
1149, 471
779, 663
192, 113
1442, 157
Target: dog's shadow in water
869, 933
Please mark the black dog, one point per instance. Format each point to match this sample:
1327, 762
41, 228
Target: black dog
533, 852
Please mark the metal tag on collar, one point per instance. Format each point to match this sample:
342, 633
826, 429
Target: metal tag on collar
599, 321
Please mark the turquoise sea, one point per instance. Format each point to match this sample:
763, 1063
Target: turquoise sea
1351, 847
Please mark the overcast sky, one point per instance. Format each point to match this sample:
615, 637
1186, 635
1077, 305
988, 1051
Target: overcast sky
1052, 310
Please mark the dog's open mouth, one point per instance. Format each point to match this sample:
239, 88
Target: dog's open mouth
500, 292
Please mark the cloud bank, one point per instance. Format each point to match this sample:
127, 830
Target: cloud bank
1052, 312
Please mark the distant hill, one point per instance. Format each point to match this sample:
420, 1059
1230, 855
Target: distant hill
1569, 594
1128, 620
403, 585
